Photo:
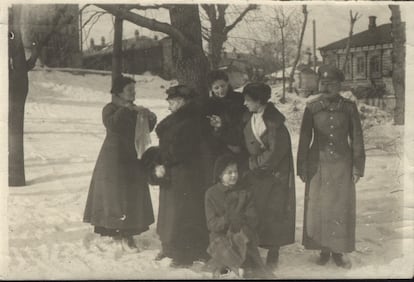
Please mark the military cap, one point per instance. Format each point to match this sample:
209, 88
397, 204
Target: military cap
329, 72
182, 91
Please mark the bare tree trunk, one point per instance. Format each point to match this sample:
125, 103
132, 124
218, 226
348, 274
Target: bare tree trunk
18, 89
117, 50
314, 45
398, 66
302, 33
218, 34
191, 65
216, 42
352, 21
283, 99
19, 85
185, 30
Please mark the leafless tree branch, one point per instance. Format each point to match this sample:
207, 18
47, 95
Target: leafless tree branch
210, 11
96, 19
59, 21
228, 28
83, 8
352, 20
149, 23
147, 7
96, 13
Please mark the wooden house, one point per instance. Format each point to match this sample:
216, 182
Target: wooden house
370, 58
140, 54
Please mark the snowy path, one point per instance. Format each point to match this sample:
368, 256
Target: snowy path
64, 133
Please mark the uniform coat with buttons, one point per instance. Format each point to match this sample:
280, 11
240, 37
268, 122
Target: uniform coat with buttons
331, 150
119, 197
271, 178
181, 220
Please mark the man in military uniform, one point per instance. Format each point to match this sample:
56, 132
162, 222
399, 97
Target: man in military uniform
331, 159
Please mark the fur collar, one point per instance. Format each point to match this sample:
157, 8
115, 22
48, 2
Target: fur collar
232, 96
271, 116
188, 111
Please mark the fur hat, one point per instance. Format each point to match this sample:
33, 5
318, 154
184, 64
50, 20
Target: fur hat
182, 91
217, 75
258, 91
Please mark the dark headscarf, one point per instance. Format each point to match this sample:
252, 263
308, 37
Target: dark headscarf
182, 91
119, 83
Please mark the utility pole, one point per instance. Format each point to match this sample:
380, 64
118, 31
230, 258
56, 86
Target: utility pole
314, 45
80, 32
117, 49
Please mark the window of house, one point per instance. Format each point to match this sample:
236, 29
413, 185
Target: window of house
360, 65
374, 65
348, 66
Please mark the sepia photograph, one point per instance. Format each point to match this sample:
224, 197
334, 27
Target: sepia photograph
206, 140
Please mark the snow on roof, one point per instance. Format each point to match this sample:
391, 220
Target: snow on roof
377, 35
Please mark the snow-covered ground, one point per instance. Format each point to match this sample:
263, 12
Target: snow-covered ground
63, 135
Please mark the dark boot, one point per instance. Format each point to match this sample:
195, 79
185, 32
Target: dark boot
176, 263
272, 258
160, 256
341, 261
324, 257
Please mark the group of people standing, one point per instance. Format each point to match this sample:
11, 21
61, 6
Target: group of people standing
225, 171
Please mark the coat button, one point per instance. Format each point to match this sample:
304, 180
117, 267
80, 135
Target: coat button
330, 117
332, 126
331, 135
331, 144
123, 217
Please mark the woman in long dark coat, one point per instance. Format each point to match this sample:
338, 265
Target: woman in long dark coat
271, 174
181, 222
222, 126
331, 159
119, 202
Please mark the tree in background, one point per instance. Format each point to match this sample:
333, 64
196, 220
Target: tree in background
62, 48
352, 21
217, 33
398, 63
284, 19
117, 50
299, 49
184, 29
19, 67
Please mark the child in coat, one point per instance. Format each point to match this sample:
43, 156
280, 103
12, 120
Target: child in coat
231, 221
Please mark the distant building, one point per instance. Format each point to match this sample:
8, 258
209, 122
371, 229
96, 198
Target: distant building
140, 54
63, 47
369, 61
241, 67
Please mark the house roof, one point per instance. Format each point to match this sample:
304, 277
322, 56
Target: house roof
378, 35
245, 58
302, 68
143, 42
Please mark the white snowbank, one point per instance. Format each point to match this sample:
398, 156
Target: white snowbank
63, 135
